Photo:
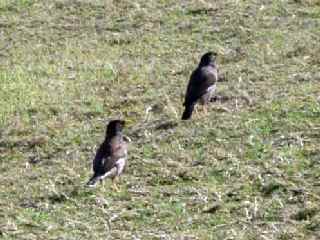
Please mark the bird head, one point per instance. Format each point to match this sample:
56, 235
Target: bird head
114, 127
208, 58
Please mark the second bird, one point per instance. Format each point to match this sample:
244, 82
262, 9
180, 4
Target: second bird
111, 156
202, 84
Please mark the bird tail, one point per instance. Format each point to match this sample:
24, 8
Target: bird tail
187, 112
98, 176
93, 181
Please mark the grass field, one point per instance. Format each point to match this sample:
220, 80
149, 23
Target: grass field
249, 170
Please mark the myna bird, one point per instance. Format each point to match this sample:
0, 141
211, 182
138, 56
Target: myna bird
111, 156
202, 84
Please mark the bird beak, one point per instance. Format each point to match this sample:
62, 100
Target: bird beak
127, 139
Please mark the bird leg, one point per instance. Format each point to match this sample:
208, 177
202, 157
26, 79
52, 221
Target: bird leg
196, 110
102, 183
114, 185
199, 110
205, 109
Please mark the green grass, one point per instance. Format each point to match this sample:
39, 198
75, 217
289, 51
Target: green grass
67, 67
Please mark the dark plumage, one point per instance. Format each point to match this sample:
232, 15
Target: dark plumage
201, 85
111, 156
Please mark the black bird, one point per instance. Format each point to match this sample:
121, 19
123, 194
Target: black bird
202, 84
111, 156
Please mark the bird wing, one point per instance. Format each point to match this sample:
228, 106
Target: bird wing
200, 81
100, 158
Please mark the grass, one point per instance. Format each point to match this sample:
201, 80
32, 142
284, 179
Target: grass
67, 67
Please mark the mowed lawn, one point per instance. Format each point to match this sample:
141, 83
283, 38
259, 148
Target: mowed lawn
248, 170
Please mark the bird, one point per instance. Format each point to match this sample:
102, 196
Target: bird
111, 156
202, 84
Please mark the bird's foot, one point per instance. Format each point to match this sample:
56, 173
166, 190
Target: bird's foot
115, 187
92, 182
